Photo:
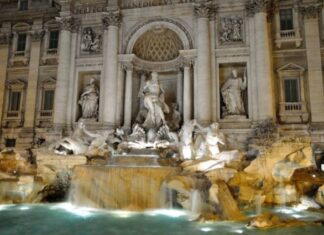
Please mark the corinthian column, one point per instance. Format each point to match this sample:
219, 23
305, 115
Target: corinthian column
258, 10
128, 95
111, 23
313, 52
63, 71
203, 106
36, 36
4, 53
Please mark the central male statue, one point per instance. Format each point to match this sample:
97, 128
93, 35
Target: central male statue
154, 103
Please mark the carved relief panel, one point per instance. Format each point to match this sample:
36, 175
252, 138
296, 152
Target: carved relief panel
231, 29
91, 41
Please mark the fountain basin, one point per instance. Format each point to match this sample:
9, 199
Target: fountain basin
119, 187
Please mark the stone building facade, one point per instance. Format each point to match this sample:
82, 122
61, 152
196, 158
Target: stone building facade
237, 62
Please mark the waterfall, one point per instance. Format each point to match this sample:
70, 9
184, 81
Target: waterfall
196, 201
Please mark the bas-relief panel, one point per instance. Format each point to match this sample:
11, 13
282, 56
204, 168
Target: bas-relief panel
91, 41
231, 29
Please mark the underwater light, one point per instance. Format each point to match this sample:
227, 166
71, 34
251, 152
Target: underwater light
24, 208
238, 231
80, 211
167, 212
4, 207
206, 229
123, 214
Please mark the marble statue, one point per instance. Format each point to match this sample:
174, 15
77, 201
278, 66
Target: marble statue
231, 29
232, 94
77, 143
187, 139
174, 118
89, 101
207, 146
154, 102
90, 41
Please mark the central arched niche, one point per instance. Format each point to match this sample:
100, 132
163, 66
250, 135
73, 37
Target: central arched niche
158, 45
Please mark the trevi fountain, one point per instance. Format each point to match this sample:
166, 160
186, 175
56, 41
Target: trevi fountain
132, 150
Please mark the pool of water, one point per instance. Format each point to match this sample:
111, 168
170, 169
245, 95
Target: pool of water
66, 219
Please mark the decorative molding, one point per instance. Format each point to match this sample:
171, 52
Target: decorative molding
130, 4
256, 6
185, 61
311, 11
68, 23
36, 35
205, 10
111, 18
157, 20
5, 38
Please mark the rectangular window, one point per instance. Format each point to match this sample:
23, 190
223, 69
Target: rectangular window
21, 42
14, 101
291, 90
286, 19
53, 40
48, 100
10, 143
23, 5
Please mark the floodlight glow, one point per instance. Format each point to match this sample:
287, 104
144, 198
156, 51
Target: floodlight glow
4, 207
123, 214
167, 212
80, 211
206, 229
24, 208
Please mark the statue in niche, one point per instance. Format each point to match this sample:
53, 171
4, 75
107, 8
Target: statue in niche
90, 41
89, 101
232, 93
153, 97
231, 29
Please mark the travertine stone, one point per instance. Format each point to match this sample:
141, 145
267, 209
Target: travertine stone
63, 72
128, 97
203, 80
31, 95
111, 23
4, 52
263, 67
315, 73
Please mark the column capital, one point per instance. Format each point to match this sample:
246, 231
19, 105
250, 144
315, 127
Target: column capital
36, 35
311, 11
5, 38
67, 23
111, 18
127, 65
185, 62
256, 6
205, 9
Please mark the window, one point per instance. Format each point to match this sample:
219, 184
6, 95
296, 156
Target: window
23, 5
291, 90
53, 40
10, 143
286, 19
48, 100
14, 101
21, 42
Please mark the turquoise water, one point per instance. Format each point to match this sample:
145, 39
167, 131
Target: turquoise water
65, 219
